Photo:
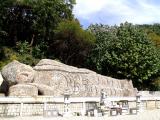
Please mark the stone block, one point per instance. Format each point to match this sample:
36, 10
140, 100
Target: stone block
50, 113
133, 111
151, 105
23, 90
113, 112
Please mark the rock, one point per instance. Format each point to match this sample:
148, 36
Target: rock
43, 89
80, 82
49, 65
50, 77
16, 72
23, 90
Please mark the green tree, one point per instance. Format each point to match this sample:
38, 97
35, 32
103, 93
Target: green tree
72, 44
27, 26
33, 20
28, 54
125, 52
7, 55
48, 13
153, 32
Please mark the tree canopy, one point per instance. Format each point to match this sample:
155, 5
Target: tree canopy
72, 44
153, 32
33, 20
125, 52
34, 29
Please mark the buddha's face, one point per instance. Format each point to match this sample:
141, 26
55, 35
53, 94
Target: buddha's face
17, 73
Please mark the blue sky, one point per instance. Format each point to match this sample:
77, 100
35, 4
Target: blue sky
113, 12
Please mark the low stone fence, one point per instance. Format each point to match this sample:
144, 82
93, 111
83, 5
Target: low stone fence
27, 106
150, 104
150, 93
146, 103
27, 109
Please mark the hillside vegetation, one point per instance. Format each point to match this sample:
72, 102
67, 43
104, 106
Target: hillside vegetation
31, 30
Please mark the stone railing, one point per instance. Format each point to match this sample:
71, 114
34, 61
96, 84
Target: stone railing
27, 106
150, 93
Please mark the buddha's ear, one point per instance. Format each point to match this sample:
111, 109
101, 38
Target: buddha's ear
24, 77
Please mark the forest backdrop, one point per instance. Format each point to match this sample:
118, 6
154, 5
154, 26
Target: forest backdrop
31, 30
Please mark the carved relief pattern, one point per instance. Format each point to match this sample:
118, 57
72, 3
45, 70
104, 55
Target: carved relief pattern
54, 78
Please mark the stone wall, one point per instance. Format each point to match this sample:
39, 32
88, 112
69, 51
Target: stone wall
27, 106
28, 109
150, 104
150, 93
11, 109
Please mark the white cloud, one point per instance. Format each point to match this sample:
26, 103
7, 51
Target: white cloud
145, 13
117, 11
88, 7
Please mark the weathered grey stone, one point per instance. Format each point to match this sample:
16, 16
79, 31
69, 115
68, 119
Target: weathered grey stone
80, 82
23, 90
16, 72
43, 89
54, 78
